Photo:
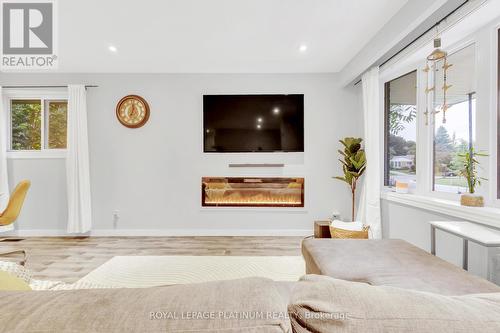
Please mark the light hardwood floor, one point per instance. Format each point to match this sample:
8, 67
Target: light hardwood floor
69, 259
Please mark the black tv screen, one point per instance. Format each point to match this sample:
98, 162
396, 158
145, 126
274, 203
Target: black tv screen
253, 123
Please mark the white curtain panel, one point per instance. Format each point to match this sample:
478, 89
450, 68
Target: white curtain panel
369, 205
77, 162
4, 179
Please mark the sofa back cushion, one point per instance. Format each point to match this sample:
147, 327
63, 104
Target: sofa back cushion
245, 305
325, 304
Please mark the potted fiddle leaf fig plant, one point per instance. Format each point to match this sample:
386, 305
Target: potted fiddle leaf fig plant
353, 164
469, 164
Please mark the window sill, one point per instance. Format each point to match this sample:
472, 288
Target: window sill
36, 154
483, 215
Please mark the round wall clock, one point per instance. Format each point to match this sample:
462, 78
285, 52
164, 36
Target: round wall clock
132, 111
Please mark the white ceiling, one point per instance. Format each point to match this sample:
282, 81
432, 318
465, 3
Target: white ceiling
216, 36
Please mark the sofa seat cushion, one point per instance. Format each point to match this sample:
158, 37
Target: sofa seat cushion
245, 305
325, 304
390, 262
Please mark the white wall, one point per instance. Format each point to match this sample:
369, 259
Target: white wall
412, 225
152, 175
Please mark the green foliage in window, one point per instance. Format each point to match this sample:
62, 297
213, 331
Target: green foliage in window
58, 113
399, 114
449, 153
444, 148
26, 124
469, 168
442, 140
402, 117
399, 146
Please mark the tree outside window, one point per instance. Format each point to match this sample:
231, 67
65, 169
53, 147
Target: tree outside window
401, 129
451, 139
57, 124
453, 133
38, 124
26, 120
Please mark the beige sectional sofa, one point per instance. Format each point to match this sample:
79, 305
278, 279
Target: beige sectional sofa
389, 262
247, 305
324, 304
395, 298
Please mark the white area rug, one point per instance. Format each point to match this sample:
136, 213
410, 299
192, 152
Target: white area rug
149, 271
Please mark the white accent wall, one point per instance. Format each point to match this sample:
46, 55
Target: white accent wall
152, 175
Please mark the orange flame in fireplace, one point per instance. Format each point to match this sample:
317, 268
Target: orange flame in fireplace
253, 193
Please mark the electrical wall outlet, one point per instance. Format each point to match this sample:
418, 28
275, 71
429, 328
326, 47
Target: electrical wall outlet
336, 216
116, 218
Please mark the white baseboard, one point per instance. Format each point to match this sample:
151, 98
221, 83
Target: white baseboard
162, 232
36, 233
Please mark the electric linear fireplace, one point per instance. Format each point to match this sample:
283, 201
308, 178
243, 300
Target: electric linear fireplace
252, 192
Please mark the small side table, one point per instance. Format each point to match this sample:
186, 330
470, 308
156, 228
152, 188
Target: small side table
322, 229
468, 232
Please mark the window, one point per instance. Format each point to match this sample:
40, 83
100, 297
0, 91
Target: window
57, 124
37, 124
454, 114
26, 124
453, 129
401, 129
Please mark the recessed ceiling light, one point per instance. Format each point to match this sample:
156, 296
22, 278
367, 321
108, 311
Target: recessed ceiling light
259, 119
112, 48
276, 110
259, 126
303, 48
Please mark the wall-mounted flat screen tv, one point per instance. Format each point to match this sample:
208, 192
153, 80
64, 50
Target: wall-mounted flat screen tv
253, 123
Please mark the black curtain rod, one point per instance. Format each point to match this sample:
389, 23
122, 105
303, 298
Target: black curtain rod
424, 33
35, 87
419, 36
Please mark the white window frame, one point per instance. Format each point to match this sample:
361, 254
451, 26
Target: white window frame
432, 124
425, 133
486, 41
387, 77
494, 190
43, 95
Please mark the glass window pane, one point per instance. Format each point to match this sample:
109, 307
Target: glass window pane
401, 126
453, 129
451, 139
57, 124
26, 124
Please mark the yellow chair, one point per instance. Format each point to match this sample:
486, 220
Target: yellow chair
15, 204
11, 213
